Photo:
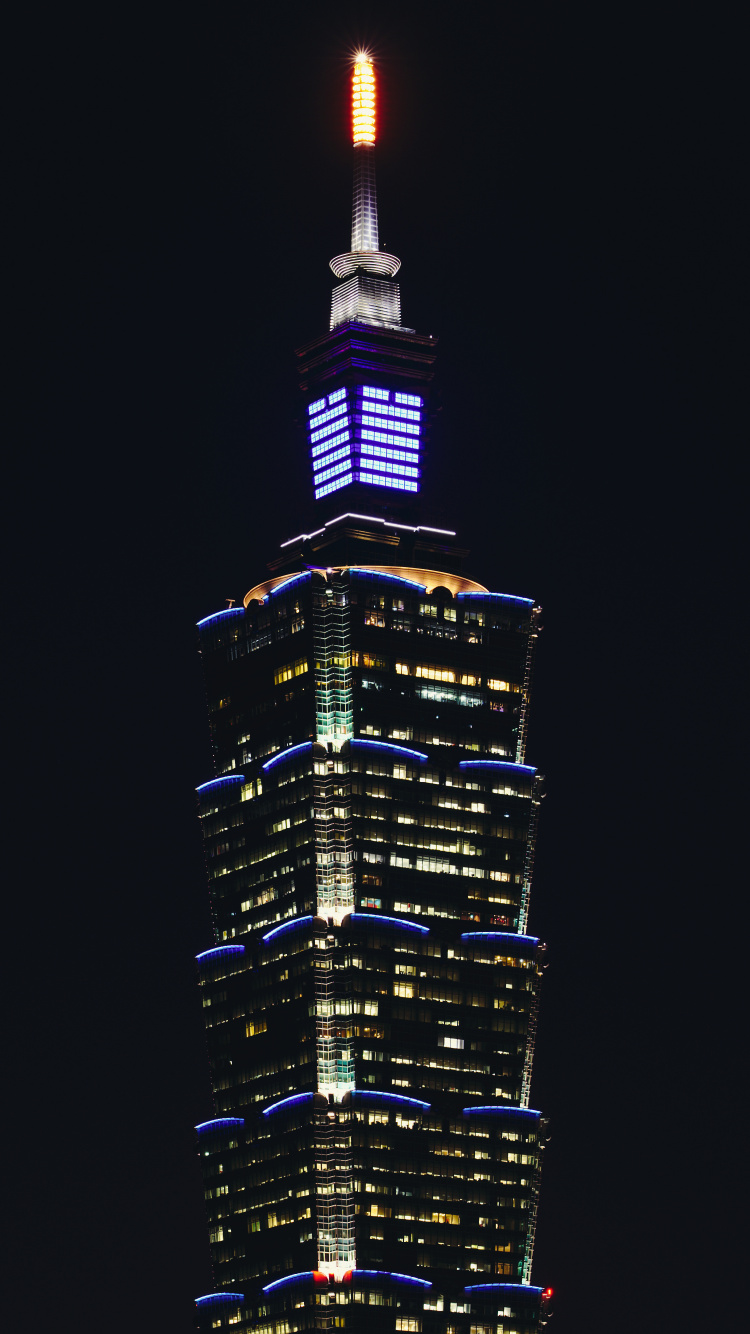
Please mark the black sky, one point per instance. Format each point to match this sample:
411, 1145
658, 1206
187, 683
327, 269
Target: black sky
562, 190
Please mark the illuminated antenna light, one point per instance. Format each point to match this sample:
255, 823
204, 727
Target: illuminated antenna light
363, 101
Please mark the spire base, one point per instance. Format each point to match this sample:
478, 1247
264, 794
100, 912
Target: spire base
372, 261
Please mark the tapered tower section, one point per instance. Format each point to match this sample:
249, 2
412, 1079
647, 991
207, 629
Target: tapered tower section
371, 993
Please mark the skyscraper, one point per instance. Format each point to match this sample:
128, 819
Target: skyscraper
371, 995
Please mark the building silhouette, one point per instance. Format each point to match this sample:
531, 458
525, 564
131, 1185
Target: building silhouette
371, 997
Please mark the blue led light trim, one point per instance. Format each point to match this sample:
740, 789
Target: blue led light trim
213, 1298
343, 453
390, 921
500, 935
390, 578
403, 428
388, 438
286, 926
380, 452
504, 1287
515, 1113
394, 1278
284, 754
387, 410
334, 471
288, 1102
290, 1278
387, 745
504, 597
392, 469
334, 486
293, 579
334, 414
221, 615
221, 782
330, 429
497, 764
220, 952
391, 1097
396, 483
219, 1122
339, 439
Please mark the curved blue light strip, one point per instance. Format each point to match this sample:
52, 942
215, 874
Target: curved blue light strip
219, 1122
223, 779
290, 1278
213, 1297
512, 1112
391, 1097
503, 1287
505, 597
395, 1278
220, 615
218, 782
284, 754
286, 926
499, 935
294, 579
389, 921
497, 764
220, 951
392, 578
288, 1102
386, 745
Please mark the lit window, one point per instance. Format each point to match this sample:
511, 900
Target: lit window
289, 670
435, 673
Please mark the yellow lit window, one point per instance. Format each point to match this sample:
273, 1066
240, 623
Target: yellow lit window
468, 680
289, 670
493, 684
435, 673
254, 1026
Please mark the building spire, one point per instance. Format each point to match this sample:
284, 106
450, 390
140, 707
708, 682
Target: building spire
365, 254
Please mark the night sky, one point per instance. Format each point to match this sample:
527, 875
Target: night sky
560, 191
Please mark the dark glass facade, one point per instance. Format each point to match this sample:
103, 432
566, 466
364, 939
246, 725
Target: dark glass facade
371, 996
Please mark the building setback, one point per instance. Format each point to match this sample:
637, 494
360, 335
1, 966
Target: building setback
371, 996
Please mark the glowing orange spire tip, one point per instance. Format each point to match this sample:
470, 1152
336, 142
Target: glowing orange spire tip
363, 100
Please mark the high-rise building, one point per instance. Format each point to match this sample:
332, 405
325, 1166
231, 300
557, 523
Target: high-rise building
371, 996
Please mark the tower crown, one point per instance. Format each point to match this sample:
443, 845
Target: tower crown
366, 381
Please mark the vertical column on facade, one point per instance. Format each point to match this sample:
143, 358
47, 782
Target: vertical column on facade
334, 1192
334, 857
534, 1206
526, 692
333, 1022
528, 865
334, 714
528, 1056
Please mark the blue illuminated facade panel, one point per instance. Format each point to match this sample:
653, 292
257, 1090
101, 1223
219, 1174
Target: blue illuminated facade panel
365, 433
